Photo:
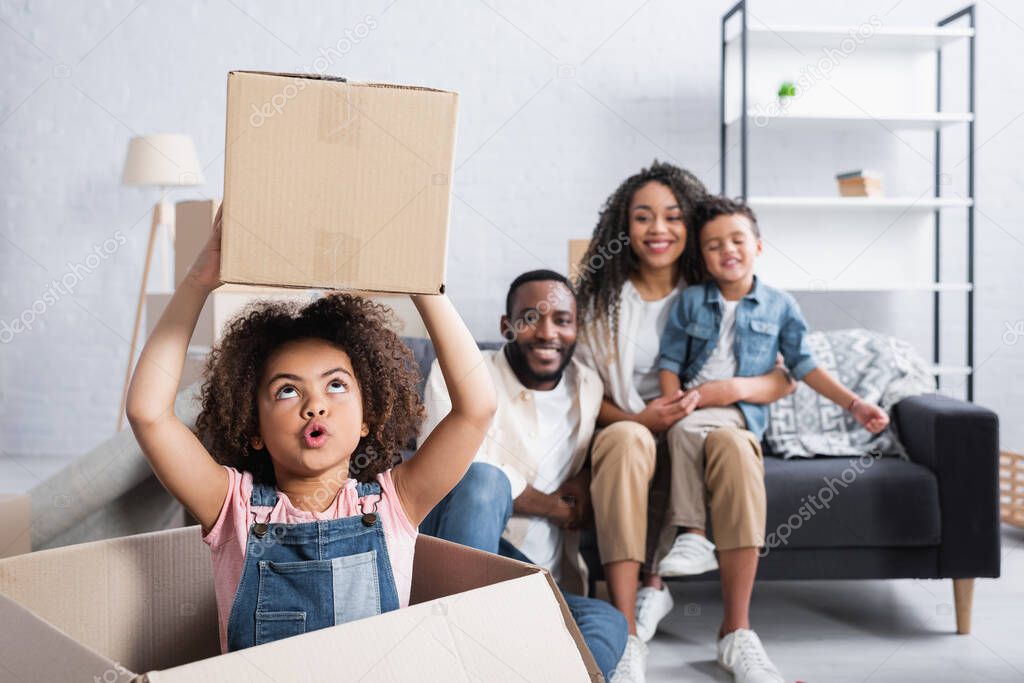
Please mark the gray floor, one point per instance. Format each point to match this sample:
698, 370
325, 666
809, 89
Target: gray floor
852, 631
815, 631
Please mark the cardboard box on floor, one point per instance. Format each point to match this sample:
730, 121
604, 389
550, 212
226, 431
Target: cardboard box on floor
332, 184
16, 530
193, 221
113, 609
577, 250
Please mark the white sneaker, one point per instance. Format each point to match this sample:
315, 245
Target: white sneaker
691, 554
632, 668
652, 605
742, 654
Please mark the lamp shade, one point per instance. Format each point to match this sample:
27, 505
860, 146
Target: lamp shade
164, 159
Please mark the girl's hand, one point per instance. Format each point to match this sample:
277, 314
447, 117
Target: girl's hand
205, 270
870, 416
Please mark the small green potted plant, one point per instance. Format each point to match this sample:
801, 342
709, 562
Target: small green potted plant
786, 91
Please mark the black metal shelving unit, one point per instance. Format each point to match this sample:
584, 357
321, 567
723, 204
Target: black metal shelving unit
967, 14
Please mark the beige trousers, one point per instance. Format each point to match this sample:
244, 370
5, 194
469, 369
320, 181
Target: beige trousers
687, 501
622, 462
628, 512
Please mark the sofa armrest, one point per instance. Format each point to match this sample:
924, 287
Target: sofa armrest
959, 442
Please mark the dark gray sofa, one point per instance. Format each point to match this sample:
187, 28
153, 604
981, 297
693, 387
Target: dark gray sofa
933, 516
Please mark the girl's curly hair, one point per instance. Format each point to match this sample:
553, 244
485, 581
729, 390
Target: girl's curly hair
609, 260
384, 367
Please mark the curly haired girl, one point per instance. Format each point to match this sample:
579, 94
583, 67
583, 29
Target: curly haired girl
304, 411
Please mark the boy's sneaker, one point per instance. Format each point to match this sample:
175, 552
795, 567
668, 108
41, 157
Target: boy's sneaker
632, 668
742, 654
652, 605
691, 554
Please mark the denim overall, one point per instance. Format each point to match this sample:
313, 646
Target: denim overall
303, 577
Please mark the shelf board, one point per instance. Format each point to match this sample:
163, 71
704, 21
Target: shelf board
816, 37
962, 370
878, 203
923, 287
900, 121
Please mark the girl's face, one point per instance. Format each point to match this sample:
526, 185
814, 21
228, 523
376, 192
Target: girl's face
657, 234
310, 409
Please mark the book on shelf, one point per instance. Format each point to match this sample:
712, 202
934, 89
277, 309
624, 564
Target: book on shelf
859, 173
859, 183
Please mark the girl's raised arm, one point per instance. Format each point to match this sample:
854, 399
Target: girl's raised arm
180, 461
442, 459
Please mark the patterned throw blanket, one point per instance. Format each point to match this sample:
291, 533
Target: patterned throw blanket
876, 368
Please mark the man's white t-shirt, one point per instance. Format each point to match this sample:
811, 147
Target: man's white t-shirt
558, 420
721, 364
653, 318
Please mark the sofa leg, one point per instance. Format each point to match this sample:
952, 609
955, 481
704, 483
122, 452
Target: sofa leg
963, 598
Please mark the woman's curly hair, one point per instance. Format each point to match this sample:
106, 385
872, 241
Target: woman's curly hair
384, 367
609, 260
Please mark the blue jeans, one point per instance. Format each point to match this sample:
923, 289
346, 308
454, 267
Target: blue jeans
475, 513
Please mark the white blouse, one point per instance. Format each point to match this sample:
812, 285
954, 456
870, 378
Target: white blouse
637, 330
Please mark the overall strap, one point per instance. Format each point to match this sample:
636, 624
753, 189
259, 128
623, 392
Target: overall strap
370, 488
263, 495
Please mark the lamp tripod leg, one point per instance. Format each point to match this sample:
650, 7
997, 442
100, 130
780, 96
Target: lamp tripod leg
157, 219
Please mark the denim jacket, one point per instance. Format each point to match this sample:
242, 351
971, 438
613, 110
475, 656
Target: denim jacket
768, 322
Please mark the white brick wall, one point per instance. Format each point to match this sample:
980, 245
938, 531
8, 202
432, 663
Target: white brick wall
540, 147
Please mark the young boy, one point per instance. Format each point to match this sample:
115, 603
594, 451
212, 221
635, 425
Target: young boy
732, 326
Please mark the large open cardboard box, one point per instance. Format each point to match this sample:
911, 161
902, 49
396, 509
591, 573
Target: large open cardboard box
332, 184
109, 610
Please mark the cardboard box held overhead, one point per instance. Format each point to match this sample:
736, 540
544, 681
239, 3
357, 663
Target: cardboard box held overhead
332, 184
112, 609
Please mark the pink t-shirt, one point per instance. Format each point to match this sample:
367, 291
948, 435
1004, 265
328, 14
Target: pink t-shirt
228, 536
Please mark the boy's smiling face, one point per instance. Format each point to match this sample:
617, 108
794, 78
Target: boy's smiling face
310, 409
730, 247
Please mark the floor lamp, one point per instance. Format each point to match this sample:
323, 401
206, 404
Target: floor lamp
164, 161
